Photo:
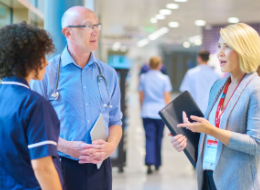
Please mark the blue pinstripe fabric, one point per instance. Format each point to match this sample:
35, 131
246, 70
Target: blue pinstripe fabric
80, 103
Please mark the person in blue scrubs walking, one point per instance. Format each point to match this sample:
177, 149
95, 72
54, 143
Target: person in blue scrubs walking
80, 88
154, 93
29, 126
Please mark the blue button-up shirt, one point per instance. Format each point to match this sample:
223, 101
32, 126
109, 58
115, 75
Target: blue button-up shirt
29, 129
79, 103
154, 84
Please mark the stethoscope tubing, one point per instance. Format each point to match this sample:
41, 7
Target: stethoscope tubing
55, 94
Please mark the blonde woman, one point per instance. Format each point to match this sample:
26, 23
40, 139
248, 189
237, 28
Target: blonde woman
229, 148
154, 91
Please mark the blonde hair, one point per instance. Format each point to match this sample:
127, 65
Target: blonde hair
155, 62
246, 42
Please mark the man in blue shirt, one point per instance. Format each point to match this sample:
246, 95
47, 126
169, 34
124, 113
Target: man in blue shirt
199, 80
82, 98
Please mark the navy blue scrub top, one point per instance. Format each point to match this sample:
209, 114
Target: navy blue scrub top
29, 129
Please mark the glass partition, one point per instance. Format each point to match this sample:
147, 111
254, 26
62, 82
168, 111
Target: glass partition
5, 15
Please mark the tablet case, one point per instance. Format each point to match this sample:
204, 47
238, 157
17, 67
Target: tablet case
99, 131
171, 115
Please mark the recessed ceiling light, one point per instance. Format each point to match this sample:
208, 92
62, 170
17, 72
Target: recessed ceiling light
233, 20
172, 6
173, 24
116, 46
165, 12
153, 20
143, 42
180, 1
198, 42
158, 33
164, 30
186, 44
200, 22
160, 17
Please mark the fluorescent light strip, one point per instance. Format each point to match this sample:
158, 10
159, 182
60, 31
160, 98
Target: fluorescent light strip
165, 12
143, 42
172, 6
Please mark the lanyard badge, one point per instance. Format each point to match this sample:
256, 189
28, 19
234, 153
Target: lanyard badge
221, 101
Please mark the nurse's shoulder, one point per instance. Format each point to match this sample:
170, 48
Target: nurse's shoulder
33, 101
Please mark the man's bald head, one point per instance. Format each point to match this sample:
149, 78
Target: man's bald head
74, 15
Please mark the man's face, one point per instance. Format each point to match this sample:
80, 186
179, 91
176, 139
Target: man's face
86, 38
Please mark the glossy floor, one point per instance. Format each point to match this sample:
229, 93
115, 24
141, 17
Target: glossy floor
176, 172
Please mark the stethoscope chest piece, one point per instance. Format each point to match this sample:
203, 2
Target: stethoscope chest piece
55, 95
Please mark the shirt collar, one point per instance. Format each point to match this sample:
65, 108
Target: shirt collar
16, 79
67, 59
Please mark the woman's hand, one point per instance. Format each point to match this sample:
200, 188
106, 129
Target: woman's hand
179, 142
200, 126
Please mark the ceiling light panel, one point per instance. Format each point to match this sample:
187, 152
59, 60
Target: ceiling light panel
143, 42
158, 33
173, 24
153, 20
233, 20
186, 44
160, 17
200, 22
165, 12
172, 6
181, 1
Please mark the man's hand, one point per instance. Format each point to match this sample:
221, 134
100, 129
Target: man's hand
100, 151
76, 147
72, 148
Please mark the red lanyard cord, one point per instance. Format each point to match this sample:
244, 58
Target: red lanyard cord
221, 101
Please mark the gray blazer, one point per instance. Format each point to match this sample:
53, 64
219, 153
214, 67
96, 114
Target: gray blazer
238, 164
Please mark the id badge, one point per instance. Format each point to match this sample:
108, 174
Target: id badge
212, 145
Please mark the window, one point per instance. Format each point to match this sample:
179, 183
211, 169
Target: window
5, 15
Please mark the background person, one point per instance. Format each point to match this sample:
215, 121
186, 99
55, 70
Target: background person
154, 93
29, 127
229, 145
199, 80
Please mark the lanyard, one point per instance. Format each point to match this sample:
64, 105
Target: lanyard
221, 101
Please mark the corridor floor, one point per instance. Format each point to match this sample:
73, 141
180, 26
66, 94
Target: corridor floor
176, 172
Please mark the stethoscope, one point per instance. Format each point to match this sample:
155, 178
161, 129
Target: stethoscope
55, 95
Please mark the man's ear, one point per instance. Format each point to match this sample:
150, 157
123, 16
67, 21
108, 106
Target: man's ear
67, 33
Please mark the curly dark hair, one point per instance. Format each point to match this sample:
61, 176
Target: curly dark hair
22, 49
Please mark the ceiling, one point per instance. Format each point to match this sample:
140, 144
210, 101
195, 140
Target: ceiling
127, 20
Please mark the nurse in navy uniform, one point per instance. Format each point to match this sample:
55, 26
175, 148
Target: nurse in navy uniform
29, 127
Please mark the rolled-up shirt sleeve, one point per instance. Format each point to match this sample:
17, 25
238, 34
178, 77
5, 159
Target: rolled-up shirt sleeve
249, 143
43, 130
115, 114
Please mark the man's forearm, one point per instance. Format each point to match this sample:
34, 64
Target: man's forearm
115, 134
72, 148
63, 145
